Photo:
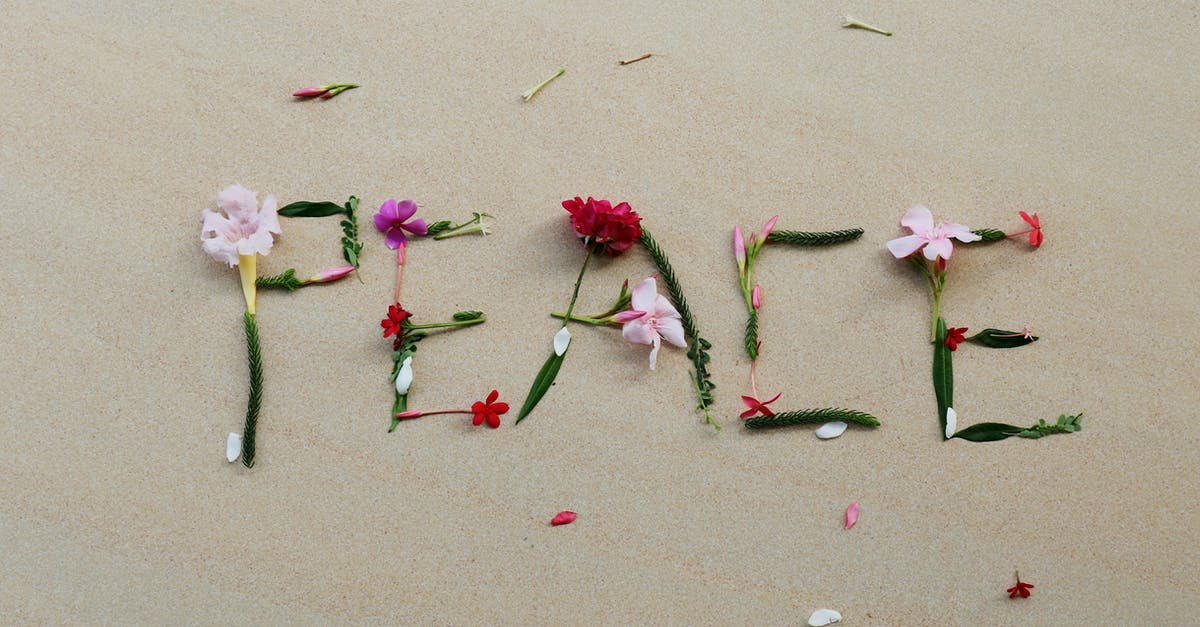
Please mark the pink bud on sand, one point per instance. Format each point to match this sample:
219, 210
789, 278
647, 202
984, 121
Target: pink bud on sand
767, 228
563, 518
756, 296
330, 275
739, 247
412, 413
852, 514
310, 92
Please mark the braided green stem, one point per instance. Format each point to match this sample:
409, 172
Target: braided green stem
752, 334
814, 238
256, 381
808, 416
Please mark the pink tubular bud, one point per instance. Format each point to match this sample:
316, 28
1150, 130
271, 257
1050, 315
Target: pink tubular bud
405, 415
756, 296
767, 228
310, 92
330, 275
739, 247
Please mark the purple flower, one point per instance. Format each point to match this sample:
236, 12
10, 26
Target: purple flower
393, 220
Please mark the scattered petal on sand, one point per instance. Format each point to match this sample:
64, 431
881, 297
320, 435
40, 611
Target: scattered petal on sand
233, 447
562, 518
824, 617
852, 514
951, 422
562, 340
831, 430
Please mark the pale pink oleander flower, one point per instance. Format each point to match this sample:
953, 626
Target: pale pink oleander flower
243, 230
651, 319
934, 238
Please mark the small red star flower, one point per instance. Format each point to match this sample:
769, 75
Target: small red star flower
393, 323
1035, 233
489, 410
955, 336
757, 406
1021, 589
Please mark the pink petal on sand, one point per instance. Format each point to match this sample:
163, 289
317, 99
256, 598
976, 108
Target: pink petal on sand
562, 518
852, 514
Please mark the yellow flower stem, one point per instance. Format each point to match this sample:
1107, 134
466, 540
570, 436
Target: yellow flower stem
248, 267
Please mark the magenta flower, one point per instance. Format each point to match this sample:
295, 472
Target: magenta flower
651, 319
393, 219
934, 238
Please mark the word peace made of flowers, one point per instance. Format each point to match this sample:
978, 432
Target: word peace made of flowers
242, 230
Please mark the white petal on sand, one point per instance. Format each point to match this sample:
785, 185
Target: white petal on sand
824, 617
951, 422
233, 447
831, 430
404, 378
561, 340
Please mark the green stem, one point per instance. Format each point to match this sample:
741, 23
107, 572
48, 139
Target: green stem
937, 313
586, 319
439, 325
578, 281
256, 382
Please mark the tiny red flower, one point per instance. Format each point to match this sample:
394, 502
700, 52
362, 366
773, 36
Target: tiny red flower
757, 406
602, 226
1021, 589
489, 410
393, 324
1035, 235
955, 336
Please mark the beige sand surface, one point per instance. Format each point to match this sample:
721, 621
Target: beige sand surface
123, 363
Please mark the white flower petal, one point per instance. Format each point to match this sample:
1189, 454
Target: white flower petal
562, 339
824, 617
404, 378
233, 447
951, 422
831, 430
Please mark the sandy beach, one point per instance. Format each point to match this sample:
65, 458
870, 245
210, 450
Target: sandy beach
124, 362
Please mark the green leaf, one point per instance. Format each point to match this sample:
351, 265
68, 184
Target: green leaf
990, 235
541, 384
987, 432
810, 416
999, 338
350, 256
400, 405
751, 338
438, 227
943, 374
463, 316
307, 209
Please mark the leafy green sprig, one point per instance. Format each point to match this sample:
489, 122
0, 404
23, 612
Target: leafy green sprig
812, 416
992, 431
351, 247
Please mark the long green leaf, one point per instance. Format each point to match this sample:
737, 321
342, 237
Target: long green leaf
307, 209
541, 384
998, 338
987, 432
943, 374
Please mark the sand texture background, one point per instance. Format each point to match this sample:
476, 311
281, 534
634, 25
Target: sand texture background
123, 364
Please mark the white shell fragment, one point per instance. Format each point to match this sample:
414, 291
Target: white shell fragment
951, 422
561, 340
233, 447
831, 430
404, 378
824, 617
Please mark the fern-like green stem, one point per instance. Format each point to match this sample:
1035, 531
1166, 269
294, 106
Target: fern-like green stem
256, 383
810, 416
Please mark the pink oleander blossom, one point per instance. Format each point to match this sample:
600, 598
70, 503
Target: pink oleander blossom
651, 319
244, 229
933, 238
393, 220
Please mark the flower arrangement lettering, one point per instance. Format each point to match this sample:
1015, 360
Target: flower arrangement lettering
934, 242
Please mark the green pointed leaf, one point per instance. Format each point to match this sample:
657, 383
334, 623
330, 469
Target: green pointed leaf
541, 384
463, 316
306, 209
999, 338
990, 235
943, 374
988, 432
438, 227
400, 405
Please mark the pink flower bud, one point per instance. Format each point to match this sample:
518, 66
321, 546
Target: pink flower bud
756, 296
739, 247
330, 275
563, 518
310, 92
767, 228
412, 413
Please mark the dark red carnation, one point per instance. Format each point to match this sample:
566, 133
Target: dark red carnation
602, 226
